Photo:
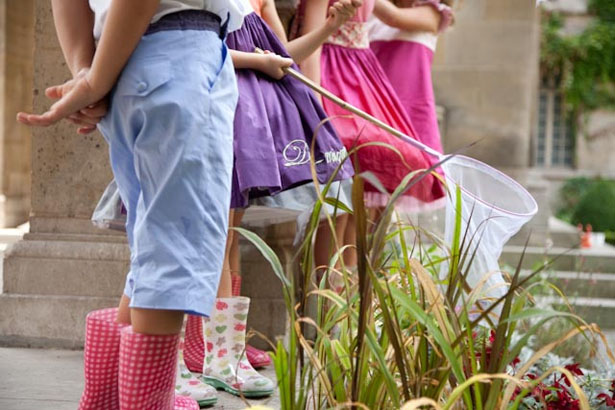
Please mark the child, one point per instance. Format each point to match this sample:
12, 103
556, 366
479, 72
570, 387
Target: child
169, 130
347, 67
275, 122
408, 54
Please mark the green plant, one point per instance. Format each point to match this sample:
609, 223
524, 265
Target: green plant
399, 335
570, 194
584, 63
575, 348
597, 207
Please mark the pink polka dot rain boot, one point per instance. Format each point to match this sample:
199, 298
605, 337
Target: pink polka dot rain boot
194, 345
147, 373
101, 359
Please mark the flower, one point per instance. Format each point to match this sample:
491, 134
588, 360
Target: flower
606, 400
574, 369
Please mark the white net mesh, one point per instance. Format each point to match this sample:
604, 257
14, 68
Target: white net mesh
493, 208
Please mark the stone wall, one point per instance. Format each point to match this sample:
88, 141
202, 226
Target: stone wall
16, 56
485, 75
64, 267
595, 144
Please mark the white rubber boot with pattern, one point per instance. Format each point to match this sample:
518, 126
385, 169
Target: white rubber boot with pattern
188, 385
226, 365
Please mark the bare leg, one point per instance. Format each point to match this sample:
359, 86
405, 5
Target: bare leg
123, 312
225, 289
150, 321
235, 255
324, 240
156, 321
350, 238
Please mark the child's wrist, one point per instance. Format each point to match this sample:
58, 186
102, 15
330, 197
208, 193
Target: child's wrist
260, 62
99, 85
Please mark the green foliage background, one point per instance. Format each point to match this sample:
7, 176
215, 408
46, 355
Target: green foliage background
585, 63
589, 201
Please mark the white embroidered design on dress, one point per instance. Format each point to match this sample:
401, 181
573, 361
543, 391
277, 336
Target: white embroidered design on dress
297, 152
353, 34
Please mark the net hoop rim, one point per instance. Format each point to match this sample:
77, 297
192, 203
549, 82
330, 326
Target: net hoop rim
534, 208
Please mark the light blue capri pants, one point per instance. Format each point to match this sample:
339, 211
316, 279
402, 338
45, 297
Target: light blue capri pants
170, 133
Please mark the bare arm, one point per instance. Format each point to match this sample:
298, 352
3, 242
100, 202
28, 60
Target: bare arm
314, 18
421, 18
272, 18
74, 22
125, 24
301, 48
267, 62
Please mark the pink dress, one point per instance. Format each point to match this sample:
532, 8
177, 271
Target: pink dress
350, 70
408, 57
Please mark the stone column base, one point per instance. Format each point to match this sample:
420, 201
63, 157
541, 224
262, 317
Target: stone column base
50, 282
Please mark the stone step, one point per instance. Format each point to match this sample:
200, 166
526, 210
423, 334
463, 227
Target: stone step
593, 310
565, 239
64, 268
563, 234
587, 284
46, 321
10, 235
598, 259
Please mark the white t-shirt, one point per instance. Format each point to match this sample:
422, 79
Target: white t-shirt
223, 8
378, 31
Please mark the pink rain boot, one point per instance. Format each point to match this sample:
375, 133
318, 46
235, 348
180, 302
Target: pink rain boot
147, 373
101, 358
258, 358
194, 346
235, 284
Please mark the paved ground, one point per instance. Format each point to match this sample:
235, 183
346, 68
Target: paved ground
53, 380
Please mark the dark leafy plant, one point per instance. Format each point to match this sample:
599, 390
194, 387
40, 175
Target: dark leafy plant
584, 63
570, 195
597, 207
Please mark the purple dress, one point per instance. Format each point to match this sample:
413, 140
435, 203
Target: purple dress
275, 123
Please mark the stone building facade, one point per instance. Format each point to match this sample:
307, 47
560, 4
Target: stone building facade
565, 147
16, 47
486, 76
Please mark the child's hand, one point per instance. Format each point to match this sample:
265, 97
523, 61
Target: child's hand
273, 65
341, 11
86, 119
73, 96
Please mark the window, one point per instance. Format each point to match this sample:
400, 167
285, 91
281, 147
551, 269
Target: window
554, 145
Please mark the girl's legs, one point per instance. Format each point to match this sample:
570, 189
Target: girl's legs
150, 321
324, 248
235, 254
224, 341
194, 341
350, 238
225, 288
123, 311
256, 357
156, 322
